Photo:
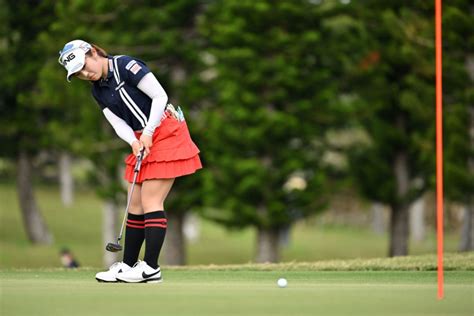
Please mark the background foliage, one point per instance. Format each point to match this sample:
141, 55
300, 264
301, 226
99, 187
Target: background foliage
269, 89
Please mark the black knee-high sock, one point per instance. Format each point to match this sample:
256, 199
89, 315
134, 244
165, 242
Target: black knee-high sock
134, 236
155, 231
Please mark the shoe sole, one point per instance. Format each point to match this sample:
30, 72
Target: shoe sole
159, 280
104, 281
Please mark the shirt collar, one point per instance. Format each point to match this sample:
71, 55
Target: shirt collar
110, 74
111, 67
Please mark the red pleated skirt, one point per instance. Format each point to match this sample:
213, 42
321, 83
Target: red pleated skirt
173, 153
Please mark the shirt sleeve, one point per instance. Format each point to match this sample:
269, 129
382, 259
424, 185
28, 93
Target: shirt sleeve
152, 88
132, 70
122, 129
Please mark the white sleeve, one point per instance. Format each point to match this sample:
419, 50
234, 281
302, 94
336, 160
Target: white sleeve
152, 88
122, 129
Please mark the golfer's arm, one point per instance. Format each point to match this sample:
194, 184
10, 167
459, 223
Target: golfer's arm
122, 129
152, 88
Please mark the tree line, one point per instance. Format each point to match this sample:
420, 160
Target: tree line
268, 87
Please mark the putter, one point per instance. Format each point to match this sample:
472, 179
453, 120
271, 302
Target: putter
115, 247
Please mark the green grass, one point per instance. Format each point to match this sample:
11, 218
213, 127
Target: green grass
326, 267
78, 228
238, 292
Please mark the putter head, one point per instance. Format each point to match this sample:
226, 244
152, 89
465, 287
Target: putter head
113, 247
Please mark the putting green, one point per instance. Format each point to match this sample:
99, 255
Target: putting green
208, 292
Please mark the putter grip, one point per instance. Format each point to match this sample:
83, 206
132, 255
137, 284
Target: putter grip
139, 161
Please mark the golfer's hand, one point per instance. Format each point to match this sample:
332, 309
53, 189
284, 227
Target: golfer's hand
147, 142
136, 147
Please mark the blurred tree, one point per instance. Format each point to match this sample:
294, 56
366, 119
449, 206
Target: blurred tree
76, 126
275, 77
396, 80
163, 36
458, 106
22, 122
66, 180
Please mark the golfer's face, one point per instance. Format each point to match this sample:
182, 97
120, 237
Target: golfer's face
92, 70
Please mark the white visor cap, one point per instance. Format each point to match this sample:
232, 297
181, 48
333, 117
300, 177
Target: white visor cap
73, 56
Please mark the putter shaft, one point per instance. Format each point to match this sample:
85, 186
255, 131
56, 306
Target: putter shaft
136, 170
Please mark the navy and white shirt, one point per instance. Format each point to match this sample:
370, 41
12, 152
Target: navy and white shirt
131, 97
119, 92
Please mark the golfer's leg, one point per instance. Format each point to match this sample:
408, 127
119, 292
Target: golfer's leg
154, 193
136, 203
135, 230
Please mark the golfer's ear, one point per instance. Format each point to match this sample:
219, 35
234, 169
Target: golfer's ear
93, 52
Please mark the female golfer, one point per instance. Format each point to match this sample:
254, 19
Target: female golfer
135, 104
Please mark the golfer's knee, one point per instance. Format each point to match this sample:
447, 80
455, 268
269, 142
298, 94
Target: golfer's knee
135, 208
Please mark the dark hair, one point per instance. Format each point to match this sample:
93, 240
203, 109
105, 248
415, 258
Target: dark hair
64, 251
100, 51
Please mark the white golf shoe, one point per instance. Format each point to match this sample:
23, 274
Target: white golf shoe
141, 273
111, 274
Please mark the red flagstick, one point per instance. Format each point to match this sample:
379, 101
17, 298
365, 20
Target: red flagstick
439, 147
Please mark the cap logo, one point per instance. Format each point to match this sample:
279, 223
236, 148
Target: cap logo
68, 58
